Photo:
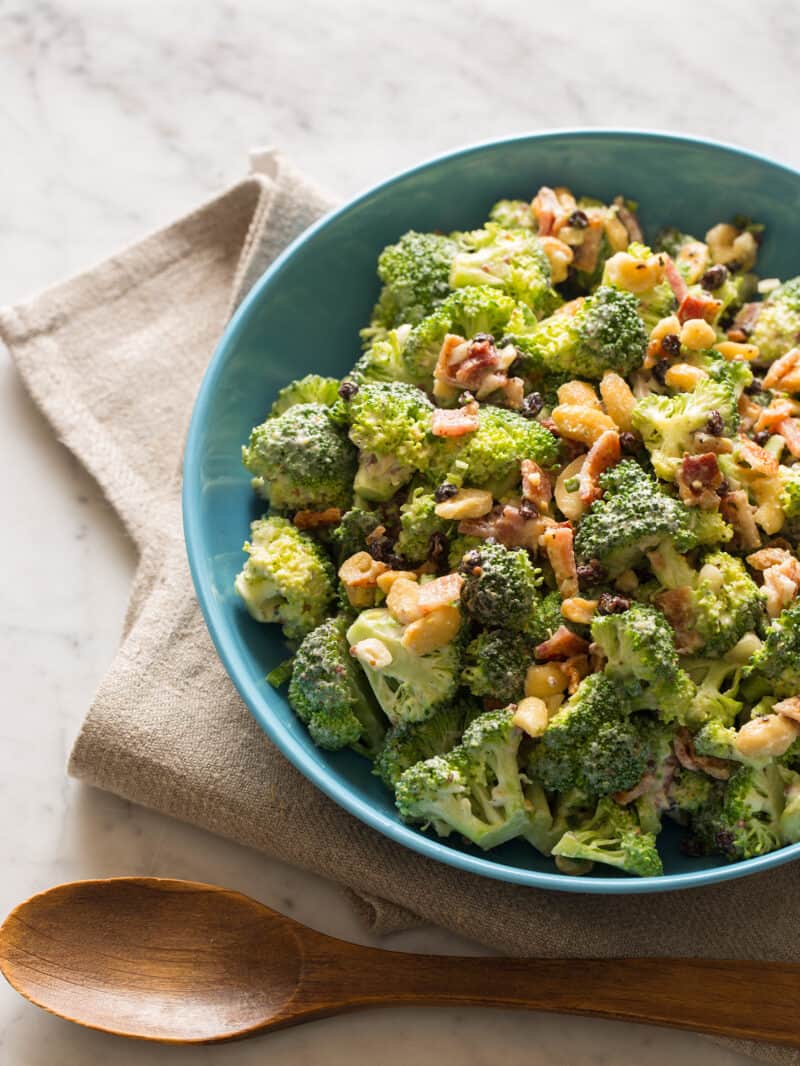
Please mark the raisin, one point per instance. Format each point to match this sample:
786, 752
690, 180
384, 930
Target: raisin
591, 573
532, 405
348, 389
761, 437
660, 369
671, 344
445, 491
578, 219
715, 424
723, 488
482, 338
437, 548
630, 442
714, 277
471, 561
527, 510
611, 603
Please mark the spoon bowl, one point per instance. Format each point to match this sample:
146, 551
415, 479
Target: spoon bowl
187, 963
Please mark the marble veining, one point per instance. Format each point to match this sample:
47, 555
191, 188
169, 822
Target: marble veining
115, 118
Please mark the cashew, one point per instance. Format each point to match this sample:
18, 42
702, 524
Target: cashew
577, 609
387, 579
361, 571
569, 502
559, 255
734, 350
433, 631
696, 334
618, 398
633, 274
696, 257
545, 679
373, 653
467, 503
728, 245
584, 424
683, 376
578, 392
403, 601
769, 735
531, 716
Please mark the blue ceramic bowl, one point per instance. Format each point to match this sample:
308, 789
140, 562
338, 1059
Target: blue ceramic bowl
304, 315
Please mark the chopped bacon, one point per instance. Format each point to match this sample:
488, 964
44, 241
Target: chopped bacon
455, 423
545, 207
785, 372
536, 484
700, 305
481, 358
789, 708
311, 519
737, 509
507, 525
678, 607
605, 452
764, 558
439, 593
738, 336
645, 785
781, 584
629, 221
746, 318
690, 760
789, 429
564, 644
749, 413
698, 478
588, 251
675, 279
558, 542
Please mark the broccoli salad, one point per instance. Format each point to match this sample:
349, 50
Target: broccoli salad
536, 555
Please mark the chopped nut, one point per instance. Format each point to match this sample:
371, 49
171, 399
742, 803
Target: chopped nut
697, 334
373, 653
618, 398
732, 350
568, 500
433, 631
531, 716
467, 503
386, 580
361, 571
403, 600
772, 734
584, 424
634, 274
684, 376
545, 679
578, 392
559, 256
577, 609
438, 593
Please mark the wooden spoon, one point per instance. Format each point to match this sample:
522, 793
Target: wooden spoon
188, 963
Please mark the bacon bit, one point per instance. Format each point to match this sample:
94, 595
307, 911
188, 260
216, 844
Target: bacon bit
588, 251
746, 319
755, 457
605, 452
536, 485
558, 542
678, 609
576, 668
439, 593
456, 423
789, 429
375, 535
739, 512
564, 644
635, 793
545, 207
311, 519
690, 760
769, 417
767, 557
675, 279
749, 413
508, 526
789, 708
699, 306
629, 221
698, 479
482, 357
514, 390
785, 372
738, 336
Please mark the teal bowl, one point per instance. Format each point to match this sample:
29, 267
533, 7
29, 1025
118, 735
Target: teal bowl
304, 315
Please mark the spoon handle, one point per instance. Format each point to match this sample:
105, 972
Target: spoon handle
710, 996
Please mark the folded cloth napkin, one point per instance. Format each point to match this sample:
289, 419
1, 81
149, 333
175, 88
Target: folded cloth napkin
114, 358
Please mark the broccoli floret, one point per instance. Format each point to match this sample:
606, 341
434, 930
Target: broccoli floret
496, 663
383, 359
459, 546
491, 456
668, 423
302, 458
350, 536
328, 692
513, 214
633, 517
546, 617
390, 424
310, 389
789, 823
613, 836
602, 333
688, 793
287, 578
777, 328
466, 312
415, 275
723, 602
654, 303
640, 648
592, 743
744, 819
775, 667
418, 523
717, 739
671, 240
717, 683
413, 742
500, 586
790, 492
475, 790
411, 687
512, 261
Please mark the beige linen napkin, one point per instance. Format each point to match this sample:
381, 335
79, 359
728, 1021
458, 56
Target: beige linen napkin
114, 358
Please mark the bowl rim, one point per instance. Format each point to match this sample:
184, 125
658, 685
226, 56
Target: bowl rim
259, 701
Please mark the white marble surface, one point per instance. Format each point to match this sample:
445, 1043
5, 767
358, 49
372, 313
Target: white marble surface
114, 118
